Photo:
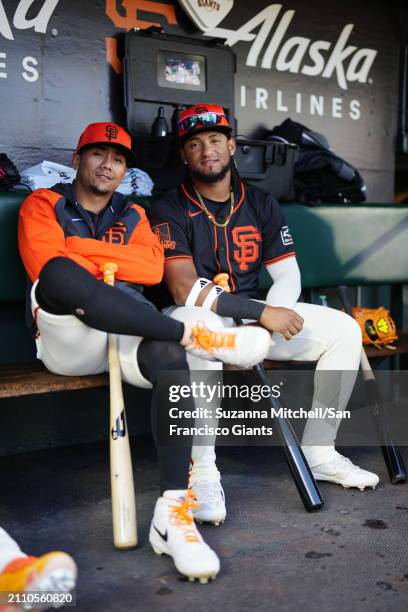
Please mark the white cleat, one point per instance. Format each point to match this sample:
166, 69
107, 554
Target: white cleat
240, 346
174, 533
342, 471
210, 499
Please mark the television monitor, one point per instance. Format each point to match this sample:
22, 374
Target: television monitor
181, 70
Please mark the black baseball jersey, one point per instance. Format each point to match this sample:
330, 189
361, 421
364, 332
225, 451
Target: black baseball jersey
257, 233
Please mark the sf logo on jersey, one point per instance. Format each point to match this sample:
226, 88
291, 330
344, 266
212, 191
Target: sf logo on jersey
116, 234
247, 240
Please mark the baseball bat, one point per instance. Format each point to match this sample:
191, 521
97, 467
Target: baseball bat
391, 453
301, 473
121, 472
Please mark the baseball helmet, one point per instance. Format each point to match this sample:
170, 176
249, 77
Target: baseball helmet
107, 134
202, 118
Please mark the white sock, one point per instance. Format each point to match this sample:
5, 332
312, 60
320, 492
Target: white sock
204, 466
315, 455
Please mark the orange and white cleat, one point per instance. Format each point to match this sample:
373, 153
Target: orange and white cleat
54, 572
174, 533
240, 346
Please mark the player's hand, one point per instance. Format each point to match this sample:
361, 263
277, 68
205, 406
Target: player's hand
282, 320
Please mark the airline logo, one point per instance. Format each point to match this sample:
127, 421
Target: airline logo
271, 47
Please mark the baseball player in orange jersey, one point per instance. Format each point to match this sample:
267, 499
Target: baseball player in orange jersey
216, 223
65, 234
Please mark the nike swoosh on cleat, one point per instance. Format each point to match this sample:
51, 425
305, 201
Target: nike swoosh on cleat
194, 214
164, 535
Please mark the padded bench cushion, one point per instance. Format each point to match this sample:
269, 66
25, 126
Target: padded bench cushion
351, 245
13, 280
335, 244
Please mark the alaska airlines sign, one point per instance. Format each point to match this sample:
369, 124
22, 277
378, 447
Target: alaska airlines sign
38, 23
20, 21
299, 54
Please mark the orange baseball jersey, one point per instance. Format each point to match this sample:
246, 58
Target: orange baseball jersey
256, 233
52, 223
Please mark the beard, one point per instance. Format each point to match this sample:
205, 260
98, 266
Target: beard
99, 190
212, 178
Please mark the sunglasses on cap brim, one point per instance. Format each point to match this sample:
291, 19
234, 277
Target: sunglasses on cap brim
204, 119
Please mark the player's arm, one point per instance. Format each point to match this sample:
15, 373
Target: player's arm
188, 289
140, 261
180, 276
40, 236
185, 287
170, 223
183, 282
286, 287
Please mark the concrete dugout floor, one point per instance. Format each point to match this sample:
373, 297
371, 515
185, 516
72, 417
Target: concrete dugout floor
351, 556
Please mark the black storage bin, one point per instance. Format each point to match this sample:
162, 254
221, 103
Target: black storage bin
152, 63
268, 165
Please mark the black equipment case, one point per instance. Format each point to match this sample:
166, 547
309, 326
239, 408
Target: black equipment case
268, 165
174, 72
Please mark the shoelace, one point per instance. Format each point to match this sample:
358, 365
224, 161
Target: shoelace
182, 518
210, 340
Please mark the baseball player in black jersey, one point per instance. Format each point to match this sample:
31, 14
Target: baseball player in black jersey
216, 223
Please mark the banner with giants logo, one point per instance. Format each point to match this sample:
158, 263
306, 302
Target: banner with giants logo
332, 67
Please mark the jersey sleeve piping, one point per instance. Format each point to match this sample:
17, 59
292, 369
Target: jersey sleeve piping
275, 259
172, 258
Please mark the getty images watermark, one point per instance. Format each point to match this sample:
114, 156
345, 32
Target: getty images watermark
243, 408
206, 418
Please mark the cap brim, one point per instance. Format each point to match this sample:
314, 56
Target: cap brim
223, 129
131, 159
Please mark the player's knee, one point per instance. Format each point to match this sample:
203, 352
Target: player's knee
351, 331
62, 272
64, 286
52, 271
191, 314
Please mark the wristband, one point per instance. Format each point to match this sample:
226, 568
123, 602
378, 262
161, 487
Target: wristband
237, 307
196, 290
212, 296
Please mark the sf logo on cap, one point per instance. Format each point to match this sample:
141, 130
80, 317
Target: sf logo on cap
201, 109
111, 132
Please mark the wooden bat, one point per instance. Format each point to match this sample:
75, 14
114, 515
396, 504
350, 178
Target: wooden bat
299, 468
391, 453
122, 484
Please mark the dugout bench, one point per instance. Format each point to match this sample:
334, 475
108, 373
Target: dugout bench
358, 245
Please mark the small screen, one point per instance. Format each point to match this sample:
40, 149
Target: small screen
181, 71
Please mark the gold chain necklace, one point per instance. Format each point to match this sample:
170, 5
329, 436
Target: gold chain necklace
211, 217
